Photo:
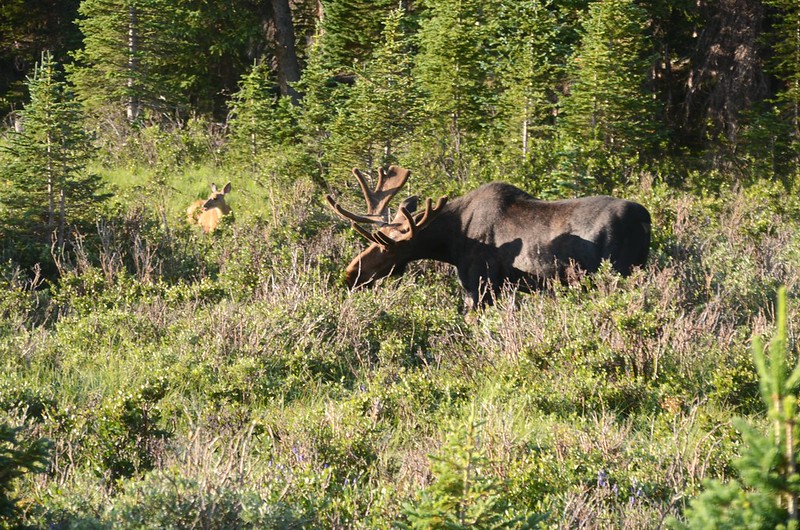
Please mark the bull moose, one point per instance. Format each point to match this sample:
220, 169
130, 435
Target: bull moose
208, 213
495, 235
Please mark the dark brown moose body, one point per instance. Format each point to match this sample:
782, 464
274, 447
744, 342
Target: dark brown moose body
497, 235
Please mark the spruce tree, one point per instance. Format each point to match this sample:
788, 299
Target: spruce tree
531, 68
464, 494
455, 71
766, 493
609, 117
263, 126
787, 66
251, 114
138, 54
51, 189
350, 29
374, 126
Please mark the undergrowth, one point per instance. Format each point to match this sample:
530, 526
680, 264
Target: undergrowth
231, 381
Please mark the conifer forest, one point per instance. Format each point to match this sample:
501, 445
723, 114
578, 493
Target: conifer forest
185, 340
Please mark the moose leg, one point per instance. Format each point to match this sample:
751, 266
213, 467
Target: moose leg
481, 285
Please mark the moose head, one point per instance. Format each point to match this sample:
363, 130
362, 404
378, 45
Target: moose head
207, 213
393, 243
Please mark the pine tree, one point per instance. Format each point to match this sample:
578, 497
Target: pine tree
787, 66
19, 455
609, 118
463, 493
375, 124
251, 114
531, 67
51, 188
137, 53
768, 488
350, 29
263, 124
454, 68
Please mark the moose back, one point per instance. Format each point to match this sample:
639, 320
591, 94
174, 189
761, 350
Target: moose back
495, 235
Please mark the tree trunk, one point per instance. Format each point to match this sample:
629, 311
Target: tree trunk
51, 187
285, 52
62, 218
133, 63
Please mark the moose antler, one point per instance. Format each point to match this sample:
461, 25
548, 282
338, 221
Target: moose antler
417, 222
388, 184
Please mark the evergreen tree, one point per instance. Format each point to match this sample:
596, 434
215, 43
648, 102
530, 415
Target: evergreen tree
454, 69
464, 494
263, 124
767, 491
350, 29
375, 124
138, 53
531, 67
19, 455
787, 66
27, 28
251, 114
609, 118
50, 186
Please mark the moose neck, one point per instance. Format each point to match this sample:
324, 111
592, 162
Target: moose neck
441, 238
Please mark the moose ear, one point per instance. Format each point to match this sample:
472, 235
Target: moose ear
410, 204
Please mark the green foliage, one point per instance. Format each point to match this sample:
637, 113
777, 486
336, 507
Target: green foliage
787, 65
129, 50
454, 72
374, 127
19, 454
350, 29
530, 54
51, 189
127, 433
169, 500
609, 119
766, 494
264, 137
463, 493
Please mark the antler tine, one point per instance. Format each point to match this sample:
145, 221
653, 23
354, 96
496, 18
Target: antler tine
381, 178
415, 225
368, 194
427, 216
412, 226
350, 216
387, 185
374, 237
367, 235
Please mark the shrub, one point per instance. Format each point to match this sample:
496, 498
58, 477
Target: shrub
19, 454
464, 494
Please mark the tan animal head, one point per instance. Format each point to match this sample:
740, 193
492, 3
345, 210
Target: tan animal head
207, 213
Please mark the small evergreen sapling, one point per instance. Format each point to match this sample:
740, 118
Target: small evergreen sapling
766, 494
18, 456
463, 493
